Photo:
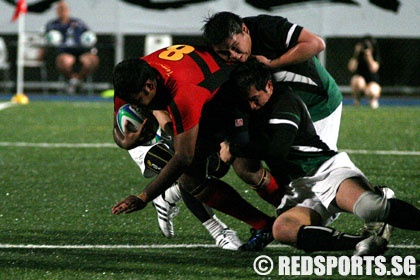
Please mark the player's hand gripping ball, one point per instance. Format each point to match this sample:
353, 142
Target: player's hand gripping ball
135, 118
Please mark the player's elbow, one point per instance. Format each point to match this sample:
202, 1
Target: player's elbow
316, 43
320, 44
117, 138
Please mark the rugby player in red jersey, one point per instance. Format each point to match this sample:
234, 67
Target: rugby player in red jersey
152, 154
184, 81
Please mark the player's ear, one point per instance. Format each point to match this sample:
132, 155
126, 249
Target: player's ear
269, 87
245, 28
149, 84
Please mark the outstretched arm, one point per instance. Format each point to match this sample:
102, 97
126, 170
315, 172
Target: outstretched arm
184, 144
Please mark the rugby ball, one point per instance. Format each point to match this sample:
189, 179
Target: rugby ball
54, 37
135, 118
88, 39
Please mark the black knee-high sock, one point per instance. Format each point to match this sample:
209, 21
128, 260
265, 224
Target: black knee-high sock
201, 212
318, 238
403, 215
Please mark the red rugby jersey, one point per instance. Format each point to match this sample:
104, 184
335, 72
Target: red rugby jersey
191, 77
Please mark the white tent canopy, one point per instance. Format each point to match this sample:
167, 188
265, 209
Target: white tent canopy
324, 18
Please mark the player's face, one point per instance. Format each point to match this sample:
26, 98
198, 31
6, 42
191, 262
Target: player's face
258, 98
236, 48
144, 97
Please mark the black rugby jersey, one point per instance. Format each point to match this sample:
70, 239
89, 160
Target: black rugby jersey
283, 135
272, 36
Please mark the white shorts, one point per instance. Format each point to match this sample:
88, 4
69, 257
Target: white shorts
319, 190
138, 154
329, 128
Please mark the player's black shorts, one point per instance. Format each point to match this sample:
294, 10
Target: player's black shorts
75, 51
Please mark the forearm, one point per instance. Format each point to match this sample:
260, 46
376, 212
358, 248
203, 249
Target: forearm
184, 145
298, 54
165, 179
117, 137
308, 46
352, 65
372, 64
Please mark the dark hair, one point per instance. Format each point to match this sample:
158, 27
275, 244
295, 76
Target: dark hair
220, 27
250, 73
369, 42
130, 76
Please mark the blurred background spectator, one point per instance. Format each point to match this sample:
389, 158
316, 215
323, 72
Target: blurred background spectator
364, 64
76, 56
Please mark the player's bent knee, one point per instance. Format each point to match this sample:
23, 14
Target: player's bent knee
371, 207
216, 167
358, 83
250, 171
285, 230
202, 192
373, 90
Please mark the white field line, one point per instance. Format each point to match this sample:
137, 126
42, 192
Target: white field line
6, 105
58, 145
152, 246
112, 145
379, 152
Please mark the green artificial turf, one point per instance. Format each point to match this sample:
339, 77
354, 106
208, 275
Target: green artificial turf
54, 192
